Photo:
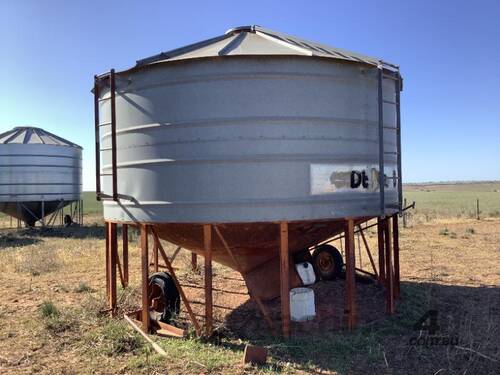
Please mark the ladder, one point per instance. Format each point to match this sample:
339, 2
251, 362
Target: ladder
109, 80
393, 75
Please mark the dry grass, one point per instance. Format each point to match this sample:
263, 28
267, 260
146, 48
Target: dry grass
36, 261
458, 200
64, 272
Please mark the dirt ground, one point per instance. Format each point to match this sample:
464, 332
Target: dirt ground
451, 266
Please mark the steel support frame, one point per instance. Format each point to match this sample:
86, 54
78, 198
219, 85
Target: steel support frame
253, 296
145, 278
113, 262
284, 280
111, 257
207, 242
389, 269
350, 267
194, 261
381, 247
395, 238
388, 241
365, 242
144, 239
171, 270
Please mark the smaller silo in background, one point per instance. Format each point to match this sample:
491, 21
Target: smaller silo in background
40, 175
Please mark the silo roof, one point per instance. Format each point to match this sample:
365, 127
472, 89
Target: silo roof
256, 40
32, 135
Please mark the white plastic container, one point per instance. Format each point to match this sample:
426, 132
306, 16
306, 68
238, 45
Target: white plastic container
306, 273
302, 307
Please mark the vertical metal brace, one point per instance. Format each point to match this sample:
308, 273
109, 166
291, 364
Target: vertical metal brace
398, 140
97, 140
112, 86
113, 133
381, 173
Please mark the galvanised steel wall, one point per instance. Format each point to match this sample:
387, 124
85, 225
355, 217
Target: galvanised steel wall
40, 172
247, 139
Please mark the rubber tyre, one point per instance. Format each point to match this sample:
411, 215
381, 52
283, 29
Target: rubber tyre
162, 285
327, 262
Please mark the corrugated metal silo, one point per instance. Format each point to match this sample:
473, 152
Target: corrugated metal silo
39, 173
245, 130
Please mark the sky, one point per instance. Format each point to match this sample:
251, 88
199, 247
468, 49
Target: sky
449, 53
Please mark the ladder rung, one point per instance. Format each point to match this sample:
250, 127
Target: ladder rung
105, 124
106, 174
391, 178
391, 153
103, 195
105, 149
106, 198
390, 102
390, 77
391, 127
104, 99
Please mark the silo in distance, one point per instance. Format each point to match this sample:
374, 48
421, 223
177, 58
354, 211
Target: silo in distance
40, 173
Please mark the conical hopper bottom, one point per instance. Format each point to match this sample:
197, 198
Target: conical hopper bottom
255, 247
30, 212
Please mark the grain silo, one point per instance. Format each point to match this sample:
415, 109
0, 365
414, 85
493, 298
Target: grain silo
40, 174
246, 148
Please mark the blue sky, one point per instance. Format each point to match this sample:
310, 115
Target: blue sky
449, 52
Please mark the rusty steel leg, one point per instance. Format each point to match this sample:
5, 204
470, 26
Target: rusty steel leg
145, 277
125, 253
381, 255
350, 278
194, 261
113, 248
207, 238
285, 280
395, 233
106, 229
155, 254
389, 272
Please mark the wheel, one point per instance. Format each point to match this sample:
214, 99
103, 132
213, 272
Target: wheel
67, 220
164, 296
30, 223
327, 262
